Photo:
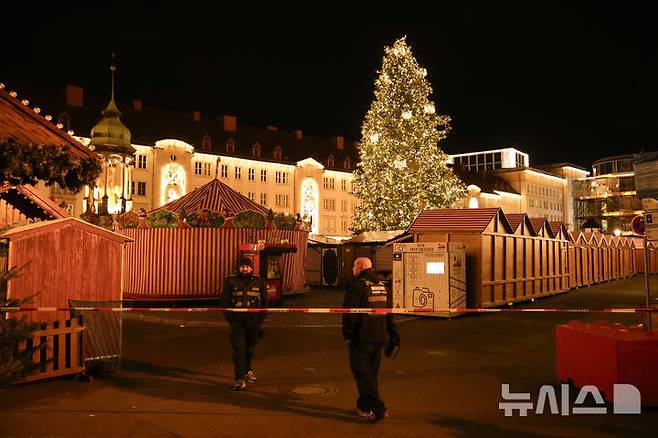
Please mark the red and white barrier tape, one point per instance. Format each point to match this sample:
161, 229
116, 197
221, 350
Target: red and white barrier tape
321, 310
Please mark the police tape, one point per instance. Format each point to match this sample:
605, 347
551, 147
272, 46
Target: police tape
379, 311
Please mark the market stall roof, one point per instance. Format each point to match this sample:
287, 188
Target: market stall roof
31, 202
61, 223
370, 237
216, 196
469, 220
26, 126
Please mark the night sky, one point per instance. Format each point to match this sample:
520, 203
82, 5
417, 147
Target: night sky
560, 83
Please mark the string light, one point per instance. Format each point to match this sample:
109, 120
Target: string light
37, 109
60, 126
13, 93
48, 117
25, 102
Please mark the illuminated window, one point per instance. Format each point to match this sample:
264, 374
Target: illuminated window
197, 168
343, 185
224, 170
206, 169
255, 150
347, 164
251, 174
251, 195
330, 205
278, 153
206, 143
263, 198
281, 177
141, 161
328, 183
330, 161
263, 175
238, 172
230, 146
281, 200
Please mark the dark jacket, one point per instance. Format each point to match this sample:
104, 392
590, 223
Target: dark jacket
241, 292
365, 328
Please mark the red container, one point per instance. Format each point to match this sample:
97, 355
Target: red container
603, 354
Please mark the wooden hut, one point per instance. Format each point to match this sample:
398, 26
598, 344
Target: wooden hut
64, 260
503, 265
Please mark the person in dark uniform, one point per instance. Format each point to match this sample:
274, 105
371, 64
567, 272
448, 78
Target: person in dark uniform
244, 290
367, 335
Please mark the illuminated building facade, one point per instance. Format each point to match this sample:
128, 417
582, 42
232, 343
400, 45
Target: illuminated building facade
609, 195
167, 154
503, 178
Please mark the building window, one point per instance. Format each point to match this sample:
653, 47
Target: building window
330, 161
263, 198
251, 174
343, 185
344, 225
331, 225
281, 200
206, 169
347, 164
224, 170
498, 160
328, 183
141, 188
197, 168
263, 175
238, 172
330, 205
230, 146
255, 150
141, 161
278, 153
206, 143
251, 195
520, 162
343, 206
281, 177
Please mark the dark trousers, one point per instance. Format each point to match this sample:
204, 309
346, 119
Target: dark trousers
244, 337
364, 363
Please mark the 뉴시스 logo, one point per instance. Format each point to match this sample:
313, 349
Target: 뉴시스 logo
626, 400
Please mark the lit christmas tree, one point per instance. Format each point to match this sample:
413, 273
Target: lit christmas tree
402, 170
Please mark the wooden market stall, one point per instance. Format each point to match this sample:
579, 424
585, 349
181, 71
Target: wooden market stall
503, 265
63, 260
185, 249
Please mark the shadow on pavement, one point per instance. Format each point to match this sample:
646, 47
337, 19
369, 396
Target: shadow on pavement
173, 383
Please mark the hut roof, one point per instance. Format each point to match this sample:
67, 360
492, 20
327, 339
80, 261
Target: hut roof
216, 196
24, 125
31, 202
59, 223
458, 219
368, 237
539, 222
515, 219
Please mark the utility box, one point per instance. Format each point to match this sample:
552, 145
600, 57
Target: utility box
429, 276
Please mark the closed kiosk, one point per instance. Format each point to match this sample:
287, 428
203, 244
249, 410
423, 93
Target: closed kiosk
429, 275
